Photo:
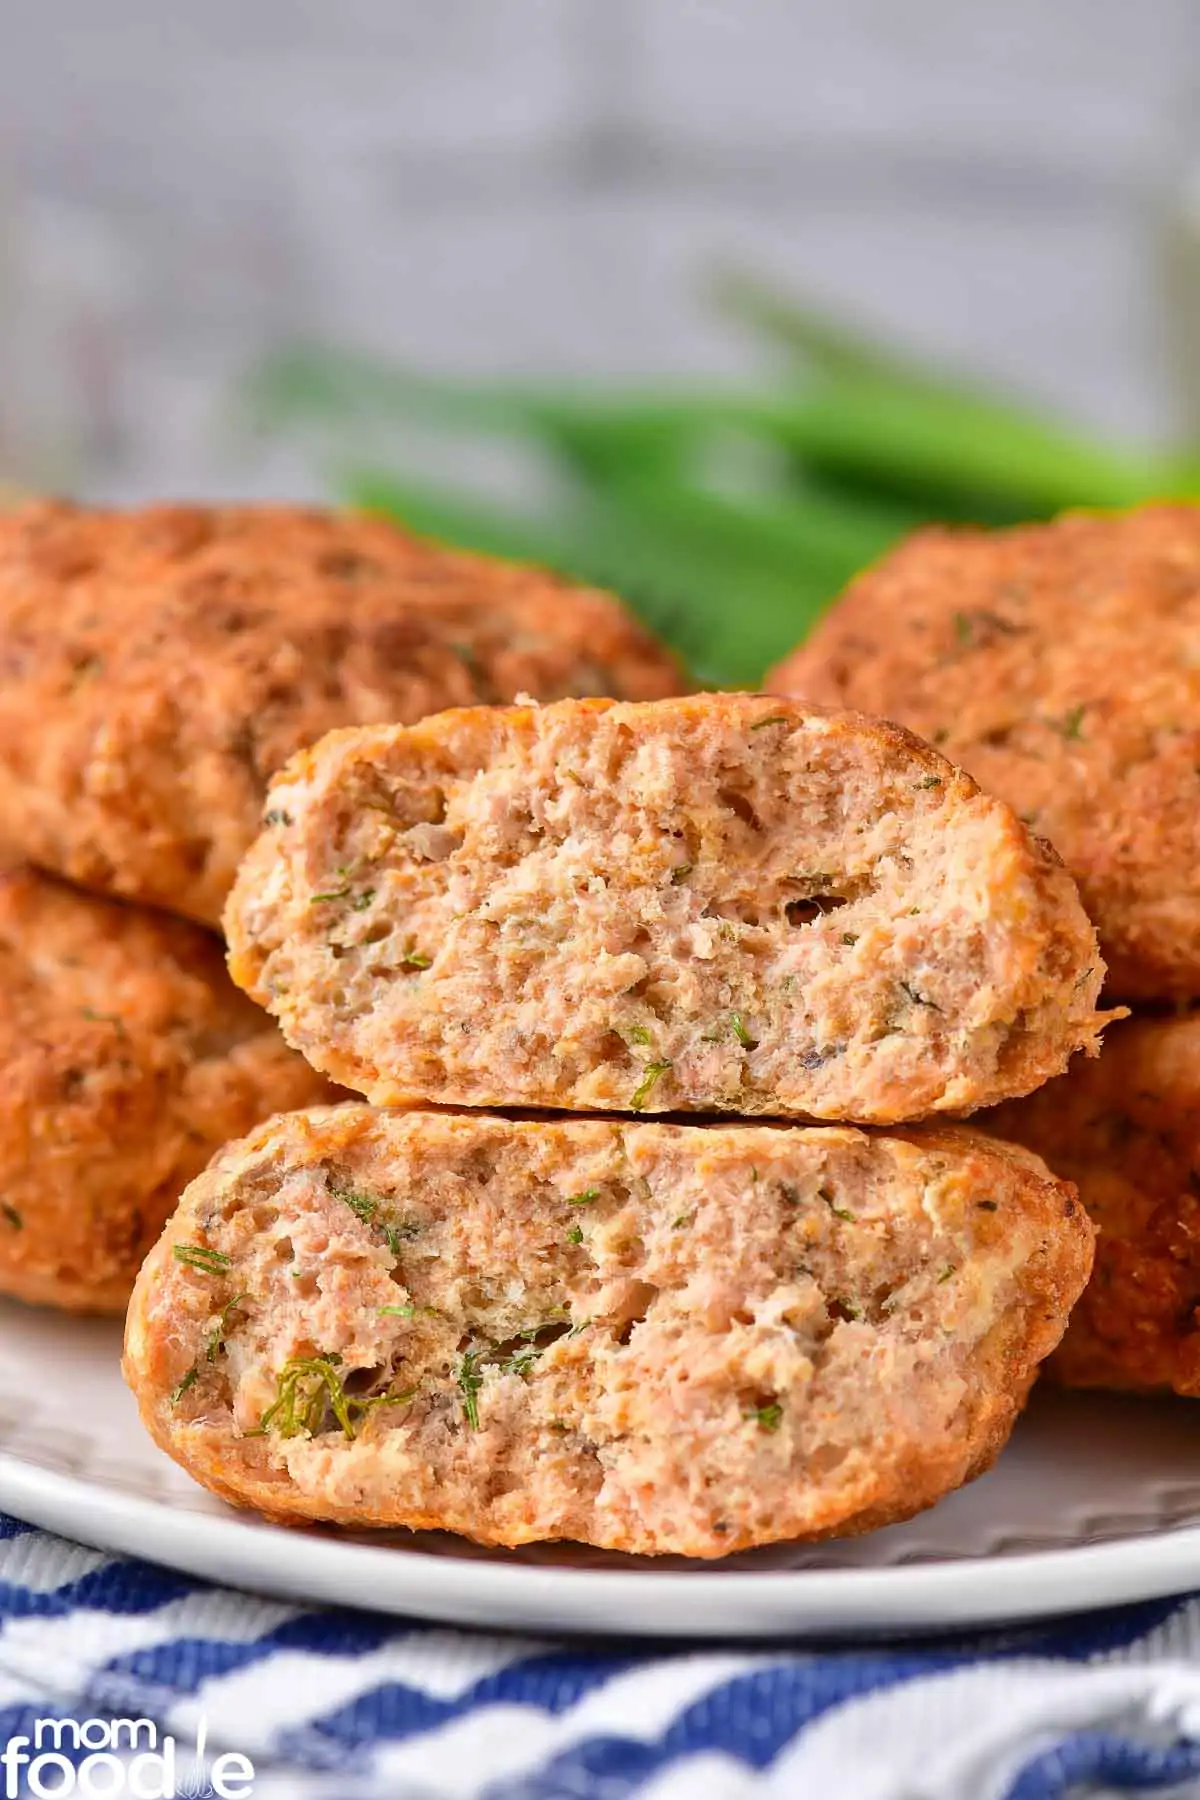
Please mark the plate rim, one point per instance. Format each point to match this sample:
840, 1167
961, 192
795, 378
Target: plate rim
238, 1551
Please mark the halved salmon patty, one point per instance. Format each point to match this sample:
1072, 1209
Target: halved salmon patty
722, 903
648, 1337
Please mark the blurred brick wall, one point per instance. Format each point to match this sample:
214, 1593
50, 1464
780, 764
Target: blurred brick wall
539, 184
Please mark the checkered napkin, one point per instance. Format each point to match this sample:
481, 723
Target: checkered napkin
347, 1706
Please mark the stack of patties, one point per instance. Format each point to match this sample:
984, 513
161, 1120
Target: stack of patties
156, 668
1060, 664
588, 1320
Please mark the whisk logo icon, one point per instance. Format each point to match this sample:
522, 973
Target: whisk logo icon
119, 1759
231, 1776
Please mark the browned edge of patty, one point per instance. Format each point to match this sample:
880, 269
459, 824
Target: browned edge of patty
1126, 1130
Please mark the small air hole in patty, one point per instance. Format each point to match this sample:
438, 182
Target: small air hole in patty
740, 805
813, 907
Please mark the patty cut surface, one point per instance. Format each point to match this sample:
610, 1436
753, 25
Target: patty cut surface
158, 667
648, 1337
1126, 1128
723, 903
127, 1057
1059, 665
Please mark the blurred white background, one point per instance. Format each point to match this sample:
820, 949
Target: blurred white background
541, 185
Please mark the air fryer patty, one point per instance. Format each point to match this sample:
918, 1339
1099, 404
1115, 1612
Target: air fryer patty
127, 1057
157, 667
1058, 664
647, 1337
724, 903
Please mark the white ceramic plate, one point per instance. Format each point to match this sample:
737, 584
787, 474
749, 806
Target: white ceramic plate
1096, 1501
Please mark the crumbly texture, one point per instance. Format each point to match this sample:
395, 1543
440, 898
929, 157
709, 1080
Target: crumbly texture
1126, 1128
724, 903
127, 1057
1058, 663
158, 667
647, 1337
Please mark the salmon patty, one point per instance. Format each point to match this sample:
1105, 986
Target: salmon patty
723, 903
1058, 663
127, 1057
647, 1337
158, 667
1126, 1128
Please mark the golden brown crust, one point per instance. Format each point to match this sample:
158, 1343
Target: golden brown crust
719, 903
1126, 1130
649, 1337
158, 667
1057, 663
126, 1058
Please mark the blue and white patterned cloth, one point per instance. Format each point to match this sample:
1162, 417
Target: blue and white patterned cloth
347, 1706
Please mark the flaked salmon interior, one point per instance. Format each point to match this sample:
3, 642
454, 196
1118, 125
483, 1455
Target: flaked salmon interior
723, 903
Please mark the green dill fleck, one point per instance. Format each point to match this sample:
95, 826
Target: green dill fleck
964, 627
1071, 725
104, 1018
414, 959
575, 1235
575, 776
330, 894
839, 1212
754, 1175
407, 1311
277, 816
364, 1206
469, 1382
203, 1260
11, 1216
653, 1074
683, 1221
559, 1425
738, 1025
768, 1417
680, 872
850, 937
189, 1381
946, 1273
398, 1232
361, 901
637, 1034
846, 1309
220, 1331
1082, 980
917, 998
520, 1360
771, 719
930, 781
308, 1388
988, 1205
584, 1197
